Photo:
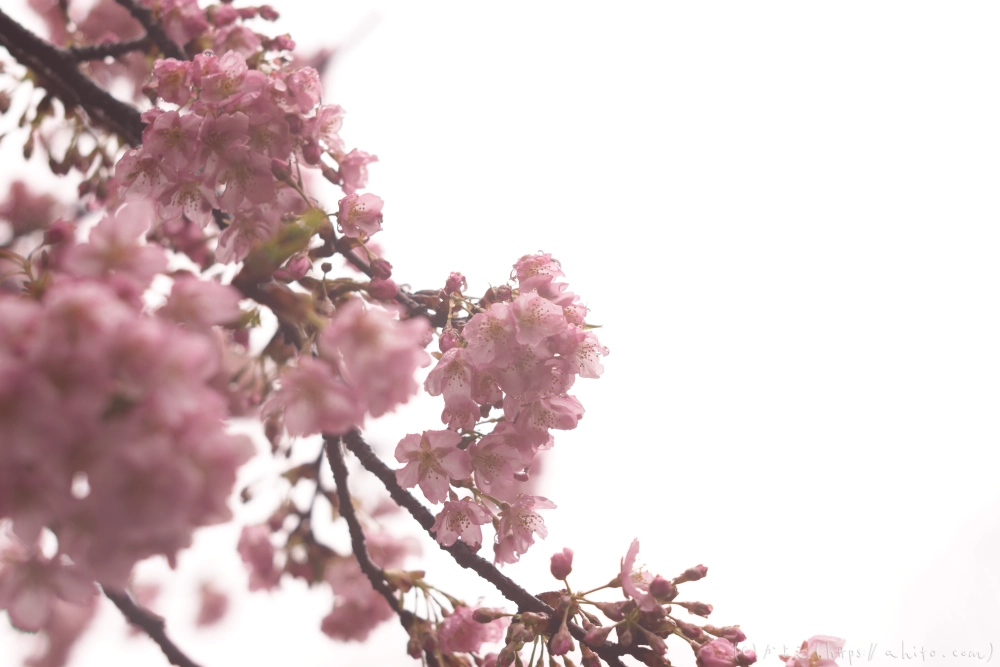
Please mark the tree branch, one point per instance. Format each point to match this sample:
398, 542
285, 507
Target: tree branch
346, 503
113, 49
60, 73
154, 30
465, 556
153, 625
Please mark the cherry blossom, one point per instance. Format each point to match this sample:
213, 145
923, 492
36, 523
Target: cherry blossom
518, 524
461, 520
432, 459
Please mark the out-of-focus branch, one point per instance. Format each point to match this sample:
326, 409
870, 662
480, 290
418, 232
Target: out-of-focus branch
346, 506
112, 49
58, 71
151, 624
465, 556
153, 28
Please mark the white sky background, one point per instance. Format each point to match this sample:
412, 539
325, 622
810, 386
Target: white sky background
785, 216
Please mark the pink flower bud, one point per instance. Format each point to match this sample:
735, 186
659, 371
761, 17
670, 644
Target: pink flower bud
506, 657
624, 635
690, 630
730, 632
456, 283
283, 43
597, 635
692, 574
311, 153
295, 123
267, 13
717, 653
561, 642
746, 657
382, 290
612, 610
590, 658
448, 339
298, 266
280, 169
662, 589
696, 608
504, 293
413, 648
381, 269
58, 231
487, 615
562, 564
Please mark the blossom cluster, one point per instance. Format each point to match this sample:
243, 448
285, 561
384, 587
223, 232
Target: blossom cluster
111, 419
233, 145
519, 354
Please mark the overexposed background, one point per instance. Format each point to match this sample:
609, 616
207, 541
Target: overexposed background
784, 214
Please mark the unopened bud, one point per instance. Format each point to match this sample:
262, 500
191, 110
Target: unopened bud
692, 574
690, 630
562, 564
381, 269
590, 658
382, 290
280, 169
487, 615
597, 635
662, 589
267, 12
413, 648
504, 293
624, 635
326, 267
448, 339
561, 642
746, 657
506, 657
696, 608
311, 153
456, 283
58, 231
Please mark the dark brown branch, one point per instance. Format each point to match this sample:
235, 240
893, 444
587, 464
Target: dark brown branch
346, 506
151, 624
464, 555
60, 74
112, 49
153, 28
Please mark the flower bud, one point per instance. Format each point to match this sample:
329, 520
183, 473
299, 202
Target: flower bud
455, 283
280, 169
562, 564
413, 648
730, 632
267, 12
381, 269
58, 231
487, 615
746, 657
717, 653
597, 635
448, 339
690, 630
612, 610
561, 642
590, 658
696, 608
382, 289
504, 293
662, 589
692, 574
311, 153
624, 635
506, 657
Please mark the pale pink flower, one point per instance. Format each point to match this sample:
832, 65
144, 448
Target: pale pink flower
494, 463
172, 80
635, 582
432, 460
174, 137
354, 170
518, 524
536, 272
315, 400
66, 624
549, 412
257, 552
492, 336
30, 584
378, 355
818, 651
717, 653
461, 520
453, 376
212, 605
199, 304
360, 214
461, 633
536, 318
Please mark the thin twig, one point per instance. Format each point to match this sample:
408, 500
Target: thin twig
465, 556
151, 624
112, 49
153, 28
371, 570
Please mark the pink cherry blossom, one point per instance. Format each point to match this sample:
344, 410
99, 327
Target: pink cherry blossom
461, 520
315, 400
201, 303
518, 524
494, 463
818, 651
257, 552
432, 459
461, 633
717, 653
536, 318
491, 336
354, 170
30, 584
360, 214
536, 272
635, 583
